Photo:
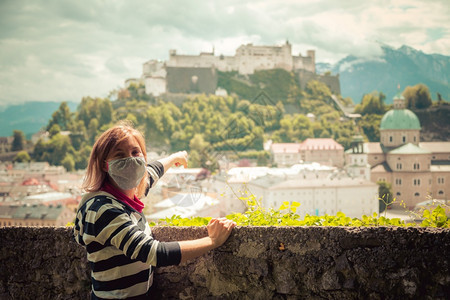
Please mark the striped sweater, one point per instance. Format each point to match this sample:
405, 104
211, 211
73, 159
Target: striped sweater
120, 248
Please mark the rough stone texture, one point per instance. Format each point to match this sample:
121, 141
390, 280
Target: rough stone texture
42, 263
255, 263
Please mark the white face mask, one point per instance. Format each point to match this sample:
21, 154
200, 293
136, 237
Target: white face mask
127, 172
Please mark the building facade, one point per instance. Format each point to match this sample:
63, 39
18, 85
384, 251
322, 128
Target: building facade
416, 170
35, 215
247, 60
324, 151
354, 197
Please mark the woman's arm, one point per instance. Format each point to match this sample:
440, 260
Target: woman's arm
218, 229
218, 232
177, 159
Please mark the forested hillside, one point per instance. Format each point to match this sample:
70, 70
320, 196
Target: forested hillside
266, 106
201, 124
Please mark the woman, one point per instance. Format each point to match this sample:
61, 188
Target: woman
110, 222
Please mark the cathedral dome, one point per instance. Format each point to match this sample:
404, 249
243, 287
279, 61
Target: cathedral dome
400, 119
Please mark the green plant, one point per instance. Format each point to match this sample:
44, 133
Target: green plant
286, 215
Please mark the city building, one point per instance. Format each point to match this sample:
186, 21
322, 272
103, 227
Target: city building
354, 197
356, 163
234, 186
416, 170
186, 205
35, 215
325, 151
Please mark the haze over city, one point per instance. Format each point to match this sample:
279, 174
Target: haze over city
63, 51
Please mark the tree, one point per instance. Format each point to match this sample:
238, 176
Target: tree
370, 124
82, 157
68, 162
18, 140
92, 130
417, 96
22, 156
372, 103
54, 130
61, 117
57, 149
384, 194
317, 89
199, 147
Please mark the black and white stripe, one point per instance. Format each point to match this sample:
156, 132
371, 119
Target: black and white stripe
120, 247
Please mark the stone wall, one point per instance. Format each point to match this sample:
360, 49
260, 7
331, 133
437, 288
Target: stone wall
255, 263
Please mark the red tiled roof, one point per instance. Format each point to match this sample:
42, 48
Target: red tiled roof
285, 147
320, 144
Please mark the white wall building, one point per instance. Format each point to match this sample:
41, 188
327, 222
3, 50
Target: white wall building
186, 205
236, 183
354, 197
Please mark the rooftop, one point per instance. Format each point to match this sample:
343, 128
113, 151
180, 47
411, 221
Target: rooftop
409, 149
436, 147
320, 144
400, 119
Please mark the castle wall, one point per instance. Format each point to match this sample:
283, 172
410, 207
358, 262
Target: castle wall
155, 85
333, 83
191, 80
255, 263
248, 59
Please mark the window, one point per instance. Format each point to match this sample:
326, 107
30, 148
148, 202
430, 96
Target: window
390, 138
440, 180
417, 194
414, 138
416, 181
404, 139
399, 166
398, 181
399, 194
416, 166
441, 192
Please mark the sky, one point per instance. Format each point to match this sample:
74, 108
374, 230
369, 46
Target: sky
57, 50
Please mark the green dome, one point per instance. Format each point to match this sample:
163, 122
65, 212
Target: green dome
400, 119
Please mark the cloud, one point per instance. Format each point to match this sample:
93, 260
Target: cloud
64, 50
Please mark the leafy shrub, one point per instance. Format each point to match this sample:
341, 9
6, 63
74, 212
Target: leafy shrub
286, 215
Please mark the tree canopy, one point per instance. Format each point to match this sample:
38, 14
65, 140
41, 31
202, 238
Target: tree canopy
265, 105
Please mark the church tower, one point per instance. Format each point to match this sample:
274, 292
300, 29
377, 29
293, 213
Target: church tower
357, 159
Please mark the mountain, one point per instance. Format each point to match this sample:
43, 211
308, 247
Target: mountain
29, 117
404, 66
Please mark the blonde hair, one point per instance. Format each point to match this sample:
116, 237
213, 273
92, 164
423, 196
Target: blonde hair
95, 172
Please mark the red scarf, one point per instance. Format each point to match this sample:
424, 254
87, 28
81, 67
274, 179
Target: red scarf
134, 203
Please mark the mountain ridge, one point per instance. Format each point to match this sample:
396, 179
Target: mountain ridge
404, 66
28, 117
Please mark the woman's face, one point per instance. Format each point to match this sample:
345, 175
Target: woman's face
127, 148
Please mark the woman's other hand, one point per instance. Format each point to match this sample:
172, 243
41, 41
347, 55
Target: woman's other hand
219, 229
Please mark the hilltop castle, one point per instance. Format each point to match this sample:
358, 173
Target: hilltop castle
197, 73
